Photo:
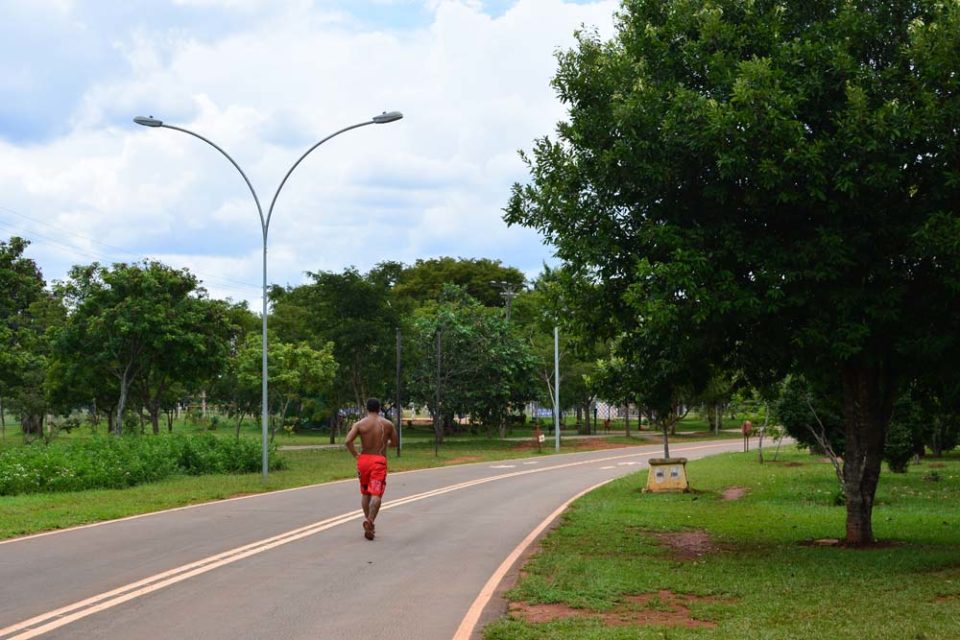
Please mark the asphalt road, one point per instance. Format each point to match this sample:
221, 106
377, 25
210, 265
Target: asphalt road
294, 564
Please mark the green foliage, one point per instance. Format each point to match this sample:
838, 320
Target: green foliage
468, 352
905, 433
535, 314
803, 412
111, 463
425, 280
354, 312
298, 373
137, 329
26, 311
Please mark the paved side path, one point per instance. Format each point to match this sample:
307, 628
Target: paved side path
294, 564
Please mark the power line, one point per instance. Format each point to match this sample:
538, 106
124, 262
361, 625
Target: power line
221, 282
104, 244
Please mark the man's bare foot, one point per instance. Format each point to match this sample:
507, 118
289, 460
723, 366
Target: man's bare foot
368, 530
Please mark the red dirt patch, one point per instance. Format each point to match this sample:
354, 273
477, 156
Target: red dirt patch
585, 444
664, 608
687, 545
595, 443
733, 493
950, 597
463, 460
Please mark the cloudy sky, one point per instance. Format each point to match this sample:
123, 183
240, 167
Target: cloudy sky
266, 79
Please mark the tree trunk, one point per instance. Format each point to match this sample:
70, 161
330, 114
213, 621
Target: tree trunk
763, 431
169, 414
122, 404
867, 404
31, 425
3, 422
666, 441
626, 420
154, 419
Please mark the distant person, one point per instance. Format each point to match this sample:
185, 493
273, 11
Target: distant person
376, 434
746, 429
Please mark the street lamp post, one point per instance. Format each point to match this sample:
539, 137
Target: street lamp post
384, 118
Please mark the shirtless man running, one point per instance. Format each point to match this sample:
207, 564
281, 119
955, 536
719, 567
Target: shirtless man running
376, 434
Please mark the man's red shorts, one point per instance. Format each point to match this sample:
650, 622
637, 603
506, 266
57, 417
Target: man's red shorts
372, 471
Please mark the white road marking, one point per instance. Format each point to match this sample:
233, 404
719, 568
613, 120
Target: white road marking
627, 464
531, 462
608, 467
503, 466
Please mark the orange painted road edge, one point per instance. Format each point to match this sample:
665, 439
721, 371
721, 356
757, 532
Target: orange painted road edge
469, 622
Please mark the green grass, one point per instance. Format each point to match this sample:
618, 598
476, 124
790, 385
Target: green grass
772, 586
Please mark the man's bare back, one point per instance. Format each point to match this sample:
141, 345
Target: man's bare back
376, 434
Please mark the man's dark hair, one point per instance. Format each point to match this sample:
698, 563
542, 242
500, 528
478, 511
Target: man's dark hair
373, 405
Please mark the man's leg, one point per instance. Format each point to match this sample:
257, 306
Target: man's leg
374, 508
365, 503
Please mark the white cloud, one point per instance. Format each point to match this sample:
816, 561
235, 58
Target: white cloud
474, 89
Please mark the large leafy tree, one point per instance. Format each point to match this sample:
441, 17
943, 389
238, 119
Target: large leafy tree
358, 314
143, 322
768, 186
26, 311
482, 278
299, 374
465, 360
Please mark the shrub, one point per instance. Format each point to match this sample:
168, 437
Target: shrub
115, 463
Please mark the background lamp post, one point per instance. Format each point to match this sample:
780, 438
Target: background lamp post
383, 118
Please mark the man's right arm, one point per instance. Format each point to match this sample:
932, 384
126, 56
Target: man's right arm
351, 436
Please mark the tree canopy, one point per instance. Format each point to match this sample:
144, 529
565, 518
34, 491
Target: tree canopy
767, 187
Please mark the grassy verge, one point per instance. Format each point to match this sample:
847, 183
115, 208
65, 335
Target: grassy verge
25, 514
625, 564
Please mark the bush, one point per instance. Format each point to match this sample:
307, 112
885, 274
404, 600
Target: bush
116, 463
905, 433
792, 411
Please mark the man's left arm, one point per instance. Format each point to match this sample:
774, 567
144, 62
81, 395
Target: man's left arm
392, 438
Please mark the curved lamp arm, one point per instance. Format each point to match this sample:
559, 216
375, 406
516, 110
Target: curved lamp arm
383, 118
300, 159
264, 222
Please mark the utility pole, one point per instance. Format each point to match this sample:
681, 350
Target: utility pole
398, 405
436, 406
556, 385
508, 291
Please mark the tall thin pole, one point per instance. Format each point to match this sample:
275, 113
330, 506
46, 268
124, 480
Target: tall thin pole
264, 400
556, 386
398, 405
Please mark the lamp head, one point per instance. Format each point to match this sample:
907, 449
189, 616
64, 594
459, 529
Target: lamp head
148, 121
387, 116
